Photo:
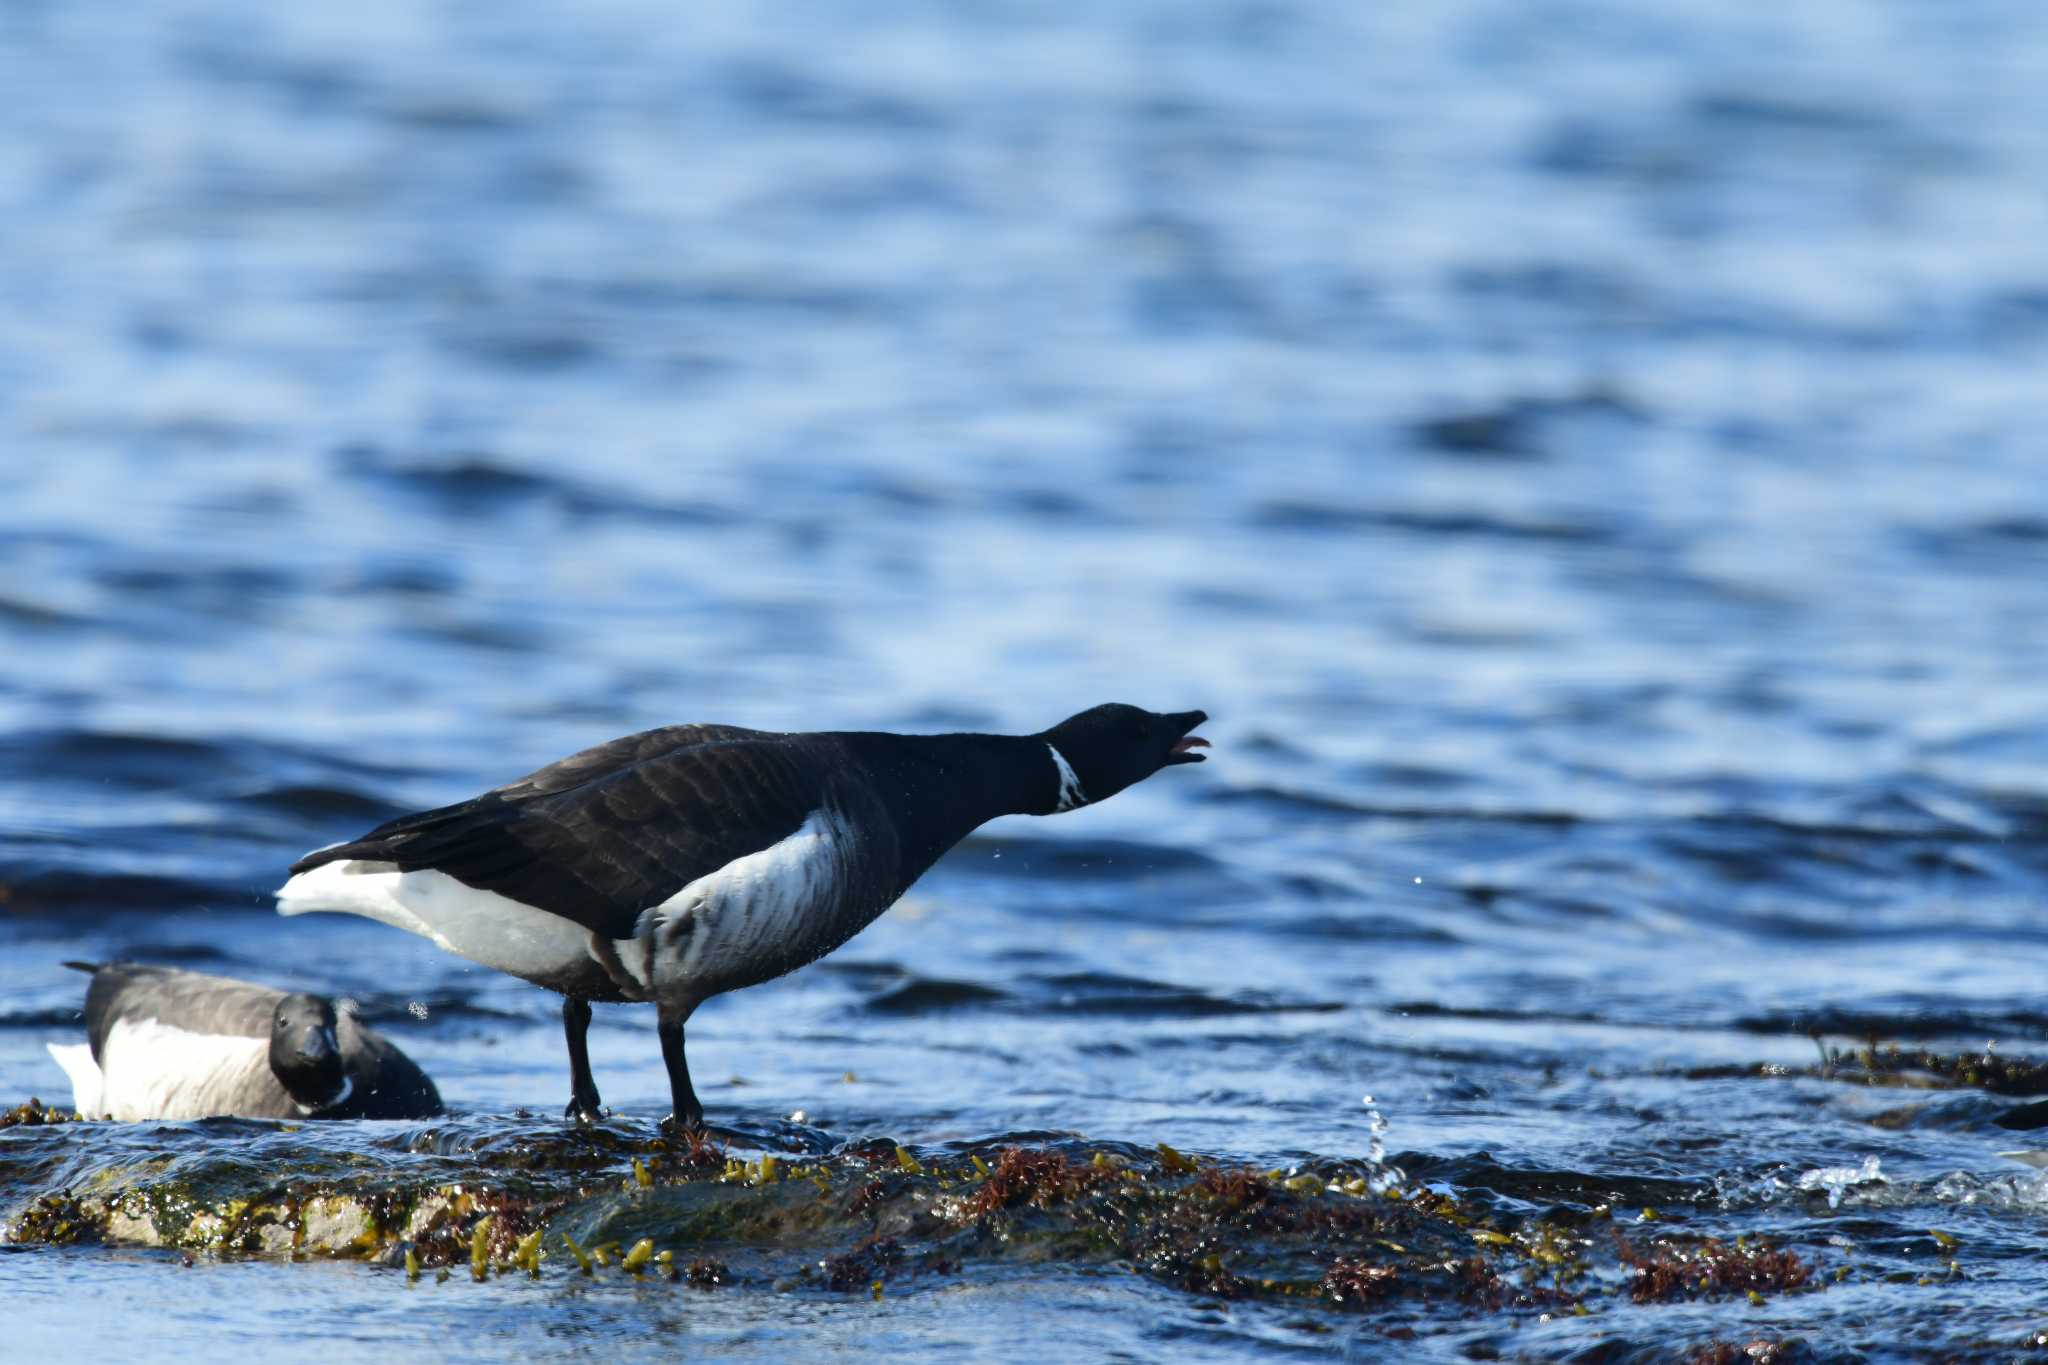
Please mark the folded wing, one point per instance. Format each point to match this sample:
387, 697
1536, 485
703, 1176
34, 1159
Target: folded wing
600, 836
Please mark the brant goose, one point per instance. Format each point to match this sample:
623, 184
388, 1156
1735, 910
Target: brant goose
676, 864
172, 1044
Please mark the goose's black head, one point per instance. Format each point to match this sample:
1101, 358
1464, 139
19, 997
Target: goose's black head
304, 1051
1109, 747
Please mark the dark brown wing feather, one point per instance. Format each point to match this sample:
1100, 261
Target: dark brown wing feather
600, 836
601, 760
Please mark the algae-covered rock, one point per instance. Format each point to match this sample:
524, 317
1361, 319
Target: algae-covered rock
540, 1200
1890, 1066
337, 1224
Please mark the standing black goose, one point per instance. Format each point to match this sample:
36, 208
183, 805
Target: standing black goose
676, 864
172, 1044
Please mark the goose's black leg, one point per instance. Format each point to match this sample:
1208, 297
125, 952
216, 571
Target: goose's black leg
584, 1105
685, 1111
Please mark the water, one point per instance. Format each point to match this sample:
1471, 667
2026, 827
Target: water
1586, 459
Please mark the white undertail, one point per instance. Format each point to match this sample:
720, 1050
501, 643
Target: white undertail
483, 926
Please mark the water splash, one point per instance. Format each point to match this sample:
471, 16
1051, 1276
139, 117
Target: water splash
1385, 1176
1837, 1179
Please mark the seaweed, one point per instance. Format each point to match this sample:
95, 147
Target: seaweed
1887, 1065
699, 1151
58, 1219
33, 1113
1711, 1269
1755, 1352
500, 1198
1355, 1282
1923, 1068
867, 1264
1038, 1178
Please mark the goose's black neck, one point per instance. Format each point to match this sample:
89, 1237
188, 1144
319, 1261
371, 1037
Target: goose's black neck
940, 788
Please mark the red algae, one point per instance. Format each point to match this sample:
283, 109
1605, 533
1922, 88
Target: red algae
1711, 1269
1026, 1176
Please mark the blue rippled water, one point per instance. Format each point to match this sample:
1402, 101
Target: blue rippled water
1587, 458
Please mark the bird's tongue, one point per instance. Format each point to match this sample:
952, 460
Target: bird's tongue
1181, 746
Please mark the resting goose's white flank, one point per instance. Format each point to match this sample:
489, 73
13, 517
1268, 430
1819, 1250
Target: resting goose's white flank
151, 1070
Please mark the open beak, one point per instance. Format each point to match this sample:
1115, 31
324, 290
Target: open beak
1183, 750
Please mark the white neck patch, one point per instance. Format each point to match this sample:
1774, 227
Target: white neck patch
348, 1086
1071, 794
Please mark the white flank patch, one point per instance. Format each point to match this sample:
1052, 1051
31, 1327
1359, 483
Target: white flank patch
149, 1070
76, 1059
482, 926
728, 926
1071, 794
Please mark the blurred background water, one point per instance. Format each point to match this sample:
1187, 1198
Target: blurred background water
1587, 458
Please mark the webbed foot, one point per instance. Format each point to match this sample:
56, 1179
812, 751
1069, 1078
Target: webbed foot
690, 1123
584, 1105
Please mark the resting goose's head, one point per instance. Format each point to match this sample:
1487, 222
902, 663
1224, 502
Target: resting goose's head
1107, 748
305, 1053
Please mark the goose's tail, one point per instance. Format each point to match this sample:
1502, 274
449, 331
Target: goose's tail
76, 1059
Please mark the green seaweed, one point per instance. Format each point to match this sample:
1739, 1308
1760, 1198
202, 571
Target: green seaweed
33, 1112
1889, 1066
